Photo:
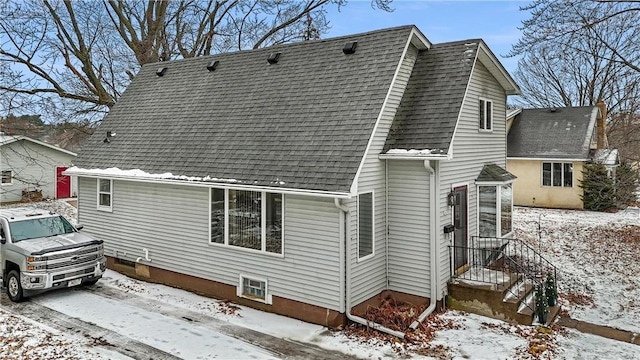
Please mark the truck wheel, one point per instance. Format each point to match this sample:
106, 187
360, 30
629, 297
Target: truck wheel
14, 288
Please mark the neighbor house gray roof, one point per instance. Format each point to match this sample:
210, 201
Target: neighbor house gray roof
554, 133
428, 112
302, 123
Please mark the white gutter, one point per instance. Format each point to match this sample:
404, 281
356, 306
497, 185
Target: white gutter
409, 156
344, 219
226, 185
433, 250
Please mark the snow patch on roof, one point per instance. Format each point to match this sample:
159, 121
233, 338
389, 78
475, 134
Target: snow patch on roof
137, 173
414, 152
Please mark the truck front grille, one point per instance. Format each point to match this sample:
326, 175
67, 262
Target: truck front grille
72, 261
78, 258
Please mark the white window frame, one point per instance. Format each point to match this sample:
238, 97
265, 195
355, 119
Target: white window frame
482, 123
98, 193
263, 223
562, 174
373, 226
268, 299
498, 186
10, 177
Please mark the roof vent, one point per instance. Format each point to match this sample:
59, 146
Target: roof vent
161, 71
212, 65
110, 134
273, 58
350, 47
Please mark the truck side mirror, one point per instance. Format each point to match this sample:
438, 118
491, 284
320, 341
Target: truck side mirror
79, 227
3, 240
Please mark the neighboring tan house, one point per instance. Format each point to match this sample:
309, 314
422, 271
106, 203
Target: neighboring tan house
34, 169
547, 150
305, 179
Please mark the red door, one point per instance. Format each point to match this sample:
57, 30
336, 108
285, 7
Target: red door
63, 183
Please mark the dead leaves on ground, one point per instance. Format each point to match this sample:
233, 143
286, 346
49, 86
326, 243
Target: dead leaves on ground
398, 316
627, 234
578, 299
228, 308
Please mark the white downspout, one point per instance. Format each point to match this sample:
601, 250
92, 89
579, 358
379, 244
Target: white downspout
433, 232
347, 273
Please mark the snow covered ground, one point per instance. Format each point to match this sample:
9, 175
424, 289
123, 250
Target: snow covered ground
596, 260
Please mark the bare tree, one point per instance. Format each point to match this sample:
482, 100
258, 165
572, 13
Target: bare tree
68, 58
552, 76
576, 52
563, 23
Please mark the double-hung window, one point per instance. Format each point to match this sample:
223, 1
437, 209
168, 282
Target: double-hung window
105, 194
485, 114
365, 225
557, 174
246, 219
7, 177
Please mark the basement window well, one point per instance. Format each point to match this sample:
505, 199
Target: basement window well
254, 289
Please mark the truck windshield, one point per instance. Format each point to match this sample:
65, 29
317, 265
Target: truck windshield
42, 227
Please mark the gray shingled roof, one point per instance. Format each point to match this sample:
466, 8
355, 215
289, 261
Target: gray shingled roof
562, 133
429, 110
494, 173
302, 123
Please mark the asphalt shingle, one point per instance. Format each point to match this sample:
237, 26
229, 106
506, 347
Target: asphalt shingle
302, 123
557, 133
428, 112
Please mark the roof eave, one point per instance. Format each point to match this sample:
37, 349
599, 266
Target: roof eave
491, 62
412, 157
545, 158
231, 185
25, 138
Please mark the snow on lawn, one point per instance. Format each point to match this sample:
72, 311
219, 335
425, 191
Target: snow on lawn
598, 260
596, 254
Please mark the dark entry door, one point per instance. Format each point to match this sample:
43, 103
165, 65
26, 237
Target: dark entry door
460, 221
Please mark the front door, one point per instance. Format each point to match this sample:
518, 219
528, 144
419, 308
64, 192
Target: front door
63, 183
460, 233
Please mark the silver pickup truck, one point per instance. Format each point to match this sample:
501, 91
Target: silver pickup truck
41, 251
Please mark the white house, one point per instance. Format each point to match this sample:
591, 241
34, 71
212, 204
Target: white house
305, 179
32, 166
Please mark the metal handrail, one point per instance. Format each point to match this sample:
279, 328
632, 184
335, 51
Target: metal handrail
501, 257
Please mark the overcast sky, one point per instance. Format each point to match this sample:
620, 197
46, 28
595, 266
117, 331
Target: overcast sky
496, 22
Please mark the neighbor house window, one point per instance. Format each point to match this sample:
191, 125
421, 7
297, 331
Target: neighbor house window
495, 210
365, 225
105, 194
7, 177
486, 114
557, 174
254, 289
247, 219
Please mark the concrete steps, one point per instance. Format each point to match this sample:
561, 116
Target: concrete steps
511, 300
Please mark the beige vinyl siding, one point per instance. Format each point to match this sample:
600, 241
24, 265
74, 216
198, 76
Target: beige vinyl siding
369, 276
33, 166
409, 241
172, 222
472, 149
